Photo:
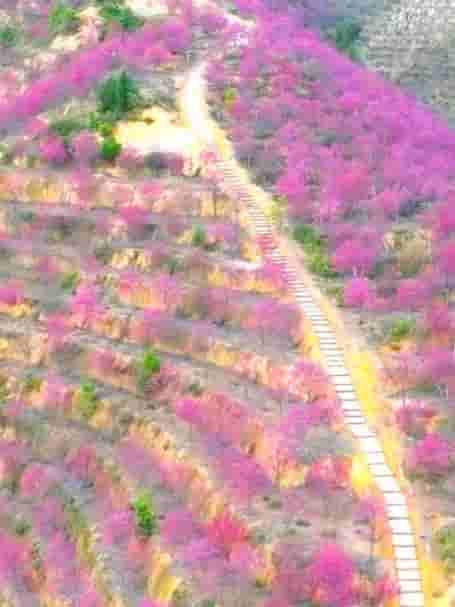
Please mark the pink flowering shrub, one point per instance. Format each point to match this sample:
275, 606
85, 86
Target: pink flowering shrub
270, 317
81, 462
309, 379
129, 159
179, 527
14, 556
12, 293
413, 417
102, 361
168, 290
431, 456
55, 393
223, 234
84, 147
57, 331
149, 603
48, 516
118, 527
52, 150
328, 474
357, 292
331, 577
225, 532
36, 481
134, 216
84, 305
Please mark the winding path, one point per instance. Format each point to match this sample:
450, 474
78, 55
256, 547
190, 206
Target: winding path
195, 112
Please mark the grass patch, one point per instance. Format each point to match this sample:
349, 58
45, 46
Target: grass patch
32, 383
117, 14
63, 19
87, 399
69, 281
445, 546
315, 249
198, 237
400, 329
66, 127
22, 527
9, 36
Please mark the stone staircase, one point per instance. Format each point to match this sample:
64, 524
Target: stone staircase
406, 563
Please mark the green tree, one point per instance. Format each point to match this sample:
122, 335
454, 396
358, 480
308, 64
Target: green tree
117, 95
144, 514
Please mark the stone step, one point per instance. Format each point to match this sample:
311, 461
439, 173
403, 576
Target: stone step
407, 586
414, 599
396, 511
395, 499
361, 430
400, 526
380, 470
403, 540
375, 458
333, 358
387, 484
409, 575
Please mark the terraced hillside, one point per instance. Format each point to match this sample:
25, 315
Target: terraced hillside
167, 434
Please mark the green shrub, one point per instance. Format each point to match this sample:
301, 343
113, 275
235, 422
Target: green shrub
345, 36
65, 127
110, 148
102, 123
6, 155
26, 216
145, 514
106, 129
22, 527
63, 19
276, 211
31, 383
75, 521
113, 12
445, 546
195, 388
9, 36
400, 329
315, 250
87, 399
310, 239
31, 161
173, 265
412, 255
69, 281
148, 365
229, 95
198, 237
336, 292
319, 264
117, 95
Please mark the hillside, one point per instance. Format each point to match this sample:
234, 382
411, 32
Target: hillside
409, 42
170, 434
